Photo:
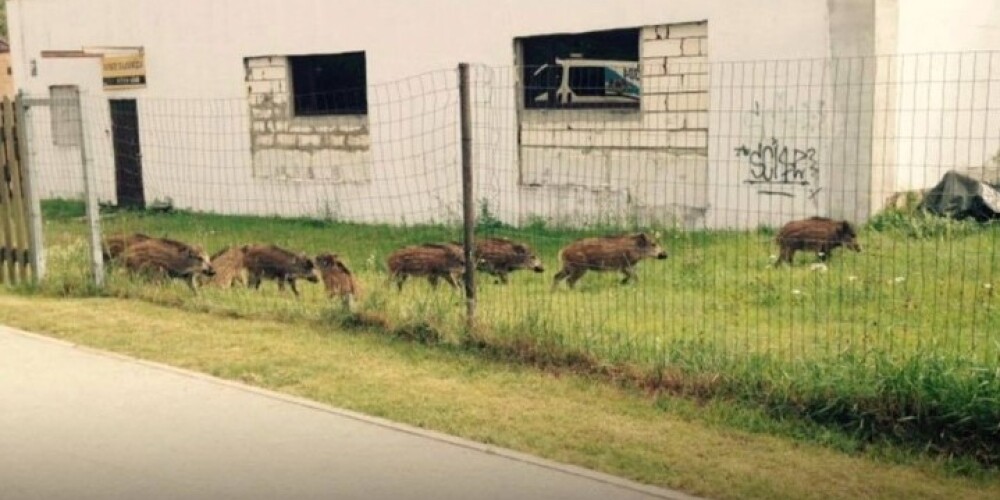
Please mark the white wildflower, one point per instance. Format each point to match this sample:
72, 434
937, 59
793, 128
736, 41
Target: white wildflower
987, 286
899, 279
796, 292
819, 266
852, 278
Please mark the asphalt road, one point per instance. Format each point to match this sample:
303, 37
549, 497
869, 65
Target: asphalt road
82, 424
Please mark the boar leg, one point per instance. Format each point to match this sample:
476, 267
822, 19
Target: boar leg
823, 254
291, 284
575, 276
629, 275
399, 278
787, 254
433, 279
254, 281
561, 275
502, 277
450, 279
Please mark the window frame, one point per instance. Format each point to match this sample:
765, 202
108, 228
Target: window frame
606, 109
297, 113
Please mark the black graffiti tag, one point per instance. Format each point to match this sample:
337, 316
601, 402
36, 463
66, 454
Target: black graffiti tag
774, 163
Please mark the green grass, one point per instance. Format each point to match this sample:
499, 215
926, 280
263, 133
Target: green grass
715, 449
897, 343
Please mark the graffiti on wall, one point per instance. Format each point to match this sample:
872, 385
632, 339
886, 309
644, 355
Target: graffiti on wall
773, 163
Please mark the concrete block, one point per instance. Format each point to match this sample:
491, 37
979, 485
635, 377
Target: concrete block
267, 61
358, 141
662, 84
693, 101
287, 140
263, 140
261, 113
687, 65
689, 30
691, 46
654, 32
309, 141
268, 73
298, 128
662, 48
653, 67
693, 82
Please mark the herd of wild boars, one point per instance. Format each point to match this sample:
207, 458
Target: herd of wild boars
249, 265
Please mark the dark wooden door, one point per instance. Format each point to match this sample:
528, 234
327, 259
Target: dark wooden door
128, 156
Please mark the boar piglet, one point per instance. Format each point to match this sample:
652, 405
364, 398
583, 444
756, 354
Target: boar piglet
337, 278
500, 256
168, 258
818, 234
230, 267
283, 266
435, 261
609, 253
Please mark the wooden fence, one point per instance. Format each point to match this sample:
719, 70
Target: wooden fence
15, 246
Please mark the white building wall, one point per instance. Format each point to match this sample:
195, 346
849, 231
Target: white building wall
949, 92
196, 126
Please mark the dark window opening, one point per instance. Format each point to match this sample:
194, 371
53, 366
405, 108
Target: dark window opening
599, 69
332, 84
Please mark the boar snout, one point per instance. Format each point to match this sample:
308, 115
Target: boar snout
208, 270
536, 265
662, 255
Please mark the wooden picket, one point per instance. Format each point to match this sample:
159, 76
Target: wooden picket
15, 246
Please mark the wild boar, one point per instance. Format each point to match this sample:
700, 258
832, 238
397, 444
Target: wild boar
818, 234
230, 267
337, 278
283, 266
114, 246
168, 258
607, 253
436, 261
500, 256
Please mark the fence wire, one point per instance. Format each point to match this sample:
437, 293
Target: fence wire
708, 161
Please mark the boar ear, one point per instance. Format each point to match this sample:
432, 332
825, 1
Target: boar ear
846, 228
643, 239
520, 249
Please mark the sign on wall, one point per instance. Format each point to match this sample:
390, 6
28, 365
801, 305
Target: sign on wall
124, 71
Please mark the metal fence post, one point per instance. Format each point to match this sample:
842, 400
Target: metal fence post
93, 208
468, 207
29, 179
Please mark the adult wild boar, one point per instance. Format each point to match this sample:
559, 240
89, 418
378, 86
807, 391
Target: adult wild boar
607, 253
500, 256
818, 234
168, 258
230, 267
337, 278
435, 261
283, 266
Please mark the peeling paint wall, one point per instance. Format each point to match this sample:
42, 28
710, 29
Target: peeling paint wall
333, 149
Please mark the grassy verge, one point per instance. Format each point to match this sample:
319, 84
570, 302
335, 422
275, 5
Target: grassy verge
897, 344
556, 414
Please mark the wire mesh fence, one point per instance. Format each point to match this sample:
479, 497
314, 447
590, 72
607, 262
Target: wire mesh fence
626, 218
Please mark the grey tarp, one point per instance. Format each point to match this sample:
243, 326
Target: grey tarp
963, 196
